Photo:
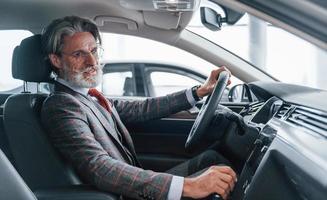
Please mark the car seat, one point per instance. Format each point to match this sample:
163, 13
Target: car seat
128, 87
47, 174
34, 157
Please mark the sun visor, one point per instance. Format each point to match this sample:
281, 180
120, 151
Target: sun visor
163, 20
116, 21
161, 5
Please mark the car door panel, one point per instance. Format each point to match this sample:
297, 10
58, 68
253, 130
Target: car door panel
160, 143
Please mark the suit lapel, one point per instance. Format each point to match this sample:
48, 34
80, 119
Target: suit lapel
122, 128
125, 135
101, 116
87, 102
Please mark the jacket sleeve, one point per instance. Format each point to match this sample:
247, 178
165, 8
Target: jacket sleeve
69, 129
151, 108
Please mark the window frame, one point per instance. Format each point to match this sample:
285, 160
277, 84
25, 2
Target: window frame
150, 68
119, 68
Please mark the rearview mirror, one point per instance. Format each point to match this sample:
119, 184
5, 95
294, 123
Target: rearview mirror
213, 20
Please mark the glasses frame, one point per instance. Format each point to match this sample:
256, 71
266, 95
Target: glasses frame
81, 55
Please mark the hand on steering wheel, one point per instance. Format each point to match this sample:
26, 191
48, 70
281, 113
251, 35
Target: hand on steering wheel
207, 111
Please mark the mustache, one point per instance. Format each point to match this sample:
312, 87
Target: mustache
89, 68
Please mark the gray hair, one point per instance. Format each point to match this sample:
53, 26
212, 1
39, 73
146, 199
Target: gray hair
54, 33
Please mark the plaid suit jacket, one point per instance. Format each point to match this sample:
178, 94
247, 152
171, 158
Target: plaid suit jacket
79, 129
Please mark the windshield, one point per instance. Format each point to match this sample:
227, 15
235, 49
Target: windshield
279, 53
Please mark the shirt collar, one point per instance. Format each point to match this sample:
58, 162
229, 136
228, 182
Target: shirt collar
80, 90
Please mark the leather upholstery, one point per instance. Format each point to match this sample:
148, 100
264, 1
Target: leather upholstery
29, 62
12, 185
35, 158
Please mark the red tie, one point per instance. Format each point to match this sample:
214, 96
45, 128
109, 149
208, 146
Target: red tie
101, 99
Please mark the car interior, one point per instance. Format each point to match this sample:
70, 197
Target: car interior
279, 152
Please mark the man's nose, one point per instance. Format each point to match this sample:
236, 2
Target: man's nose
91, 59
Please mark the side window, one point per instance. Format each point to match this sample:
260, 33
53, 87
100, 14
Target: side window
168, 82
118, 80
129, 49
142, 51
9, 39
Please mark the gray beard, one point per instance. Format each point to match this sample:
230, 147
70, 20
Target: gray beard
77, 79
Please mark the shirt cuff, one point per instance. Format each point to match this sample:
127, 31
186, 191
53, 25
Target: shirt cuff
190, 97
176, 188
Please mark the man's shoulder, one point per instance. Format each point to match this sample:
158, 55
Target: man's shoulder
58, 96
62, 99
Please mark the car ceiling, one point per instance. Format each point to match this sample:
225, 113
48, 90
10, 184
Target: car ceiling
110, 16
33, 15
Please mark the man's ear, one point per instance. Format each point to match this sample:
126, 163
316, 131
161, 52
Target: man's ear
55, 60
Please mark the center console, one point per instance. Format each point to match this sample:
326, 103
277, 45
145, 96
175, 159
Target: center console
260, 147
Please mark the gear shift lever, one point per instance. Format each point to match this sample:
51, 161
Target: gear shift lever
216, 197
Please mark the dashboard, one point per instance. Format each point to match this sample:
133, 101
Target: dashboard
288, 159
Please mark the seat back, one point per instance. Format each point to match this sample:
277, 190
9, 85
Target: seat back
128, 87
4, 145
34, 157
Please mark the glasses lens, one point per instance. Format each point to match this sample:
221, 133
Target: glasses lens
99, 51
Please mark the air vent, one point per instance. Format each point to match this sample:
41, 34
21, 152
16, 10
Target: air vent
310, 119
283, 111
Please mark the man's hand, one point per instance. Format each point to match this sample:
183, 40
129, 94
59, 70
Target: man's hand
210, 83
217, 179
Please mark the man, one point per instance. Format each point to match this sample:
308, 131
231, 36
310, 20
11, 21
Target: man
89, 132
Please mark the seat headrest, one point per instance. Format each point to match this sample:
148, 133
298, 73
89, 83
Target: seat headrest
29, 63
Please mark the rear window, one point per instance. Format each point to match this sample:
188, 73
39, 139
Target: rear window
9, 39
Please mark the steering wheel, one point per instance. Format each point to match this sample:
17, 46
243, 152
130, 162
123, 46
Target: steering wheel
207, 111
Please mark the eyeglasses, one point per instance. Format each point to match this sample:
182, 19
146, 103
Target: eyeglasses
81, 55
